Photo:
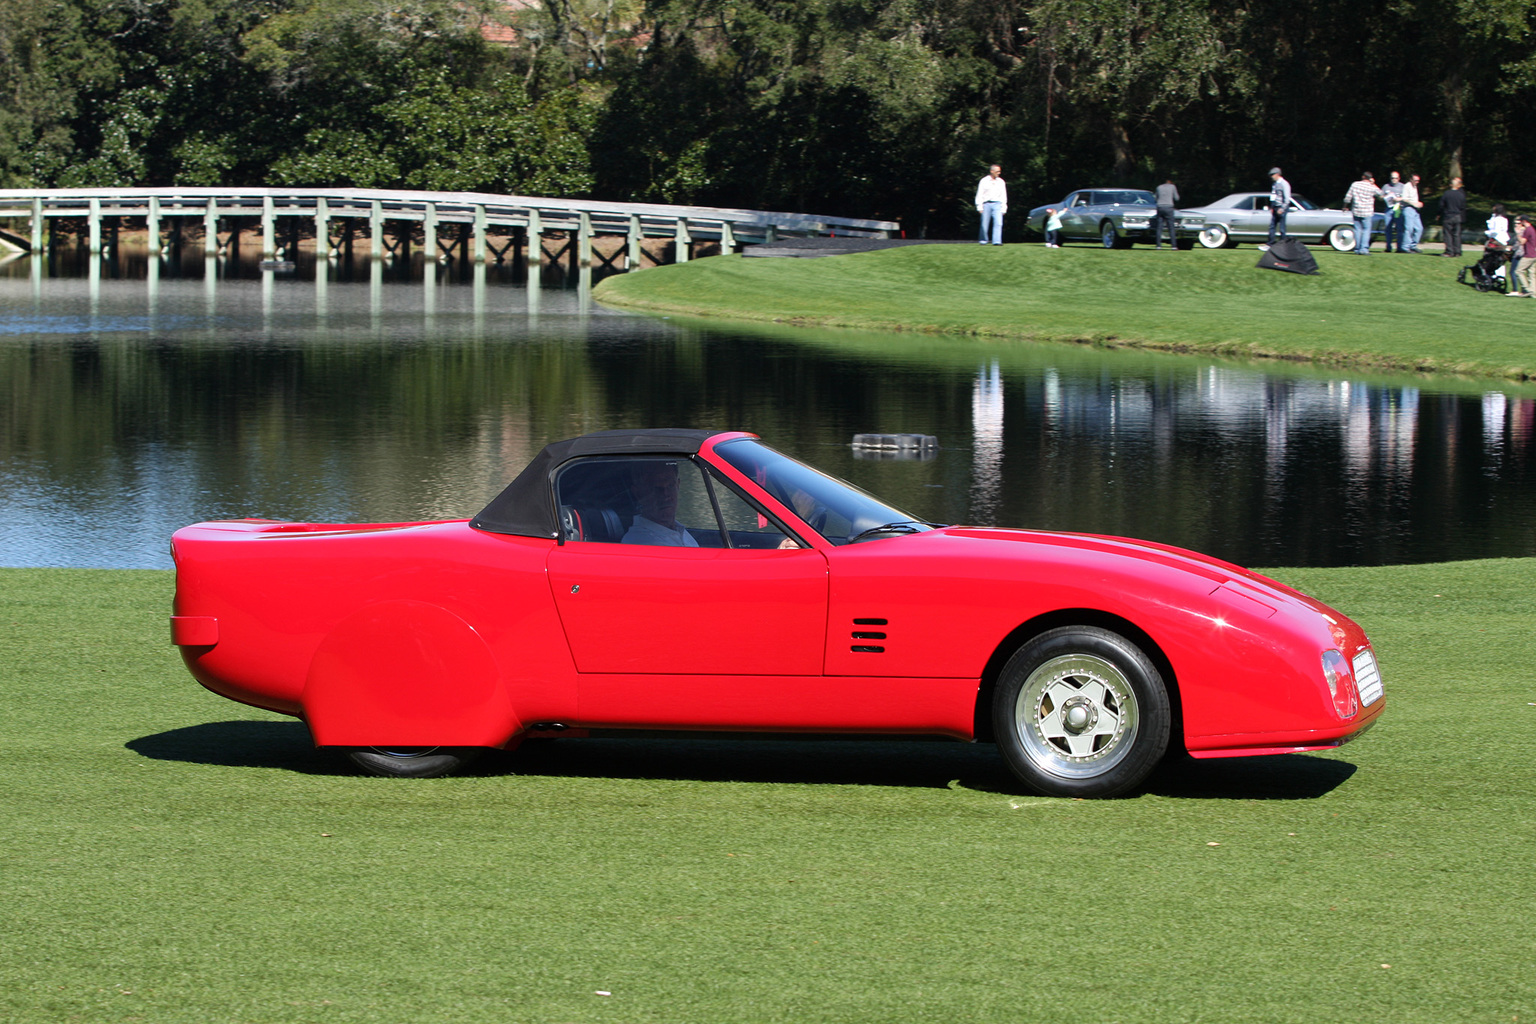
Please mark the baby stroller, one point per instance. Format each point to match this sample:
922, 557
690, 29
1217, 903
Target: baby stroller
1488, 272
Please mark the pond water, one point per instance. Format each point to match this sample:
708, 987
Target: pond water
142, 396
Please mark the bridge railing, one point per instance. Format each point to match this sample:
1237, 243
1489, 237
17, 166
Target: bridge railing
468, 215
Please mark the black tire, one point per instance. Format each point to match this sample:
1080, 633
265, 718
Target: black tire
413, 762
1115, 697
1110, 238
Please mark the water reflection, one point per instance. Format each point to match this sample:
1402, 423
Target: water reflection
143, 396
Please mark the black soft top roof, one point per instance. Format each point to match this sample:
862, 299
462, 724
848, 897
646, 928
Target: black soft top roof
526, 507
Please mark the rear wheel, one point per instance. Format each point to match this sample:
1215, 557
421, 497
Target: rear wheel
1342, 238
1214, 236
413, 762
1080, 711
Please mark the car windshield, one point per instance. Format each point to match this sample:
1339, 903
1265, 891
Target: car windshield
1303, 202
834, 508
1125, 198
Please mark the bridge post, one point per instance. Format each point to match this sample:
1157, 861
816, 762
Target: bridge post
268, 216
211, 228
535, 239
152, 222
634, 258
322, 229
727, 238
93, 219
429, 235
684, 242
37, 224
772, 234
479, 234
584, 240
376, 230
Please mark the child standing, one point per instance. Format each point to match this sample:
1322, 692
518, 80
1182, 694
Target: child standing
1053, 228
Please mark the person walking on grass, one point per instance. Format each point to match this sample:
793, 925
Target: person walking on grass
1453, 214
1167, 207
1361, 202
1525, 245
992, 203
1279, 204
1392, 192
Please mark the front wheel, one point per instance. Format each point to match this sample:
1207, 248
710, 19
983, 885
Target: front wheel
1107, 235
1080, 711
1214, 236
1342, 238
413, 762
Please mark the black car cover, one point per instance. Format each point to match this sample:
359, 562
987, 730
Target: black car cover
1289, 254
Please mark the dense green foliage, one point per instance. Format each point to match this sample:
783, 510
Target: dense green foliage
176, 858
886, 108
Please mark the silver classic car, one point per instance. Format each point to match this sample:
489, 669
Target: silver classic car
1244, 217
1115, 217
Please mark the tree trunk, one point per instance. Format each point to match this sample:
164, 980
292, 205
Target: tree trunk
1125, 160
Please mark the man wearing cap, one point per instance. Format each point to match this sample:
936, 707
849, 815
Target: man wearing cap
1525, 242
1279, 204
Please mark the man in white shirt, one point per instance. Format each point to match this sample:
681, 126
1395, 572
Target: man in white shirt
654, 485
1413, 223
992, 203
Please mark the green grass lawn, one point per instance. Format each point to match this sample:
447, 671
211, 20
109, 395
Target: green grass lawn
172, 857
1387, 312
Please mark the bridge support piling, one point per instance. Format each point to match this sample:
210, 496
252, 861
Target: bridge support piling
727, 238
683, 248
634, 258
93, 222
322, 229
376, 230
584, 240
429, 234
211, 228
535, 241
480, 234
37, 224
152, 226
268, 228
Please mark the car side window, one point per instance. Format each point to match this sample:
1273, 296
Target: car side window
655, 500
746, 525
658, 501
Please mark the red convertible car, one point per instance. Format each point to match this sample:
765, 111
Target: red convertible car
689, 580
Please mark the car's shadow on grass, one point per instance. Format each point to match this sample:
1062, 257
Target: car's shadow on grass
281, 745
846, 762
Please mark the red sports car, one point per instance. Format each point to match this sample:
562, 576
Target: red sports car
689, 580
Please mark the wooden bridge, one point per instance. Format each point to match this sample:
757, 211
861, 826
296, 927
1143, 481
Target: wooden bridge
467, 225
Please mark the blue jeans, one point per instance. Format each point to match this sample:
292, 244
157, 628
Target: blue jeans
1363, 234
1394, 230
1413, 228
1276, 224
992, 214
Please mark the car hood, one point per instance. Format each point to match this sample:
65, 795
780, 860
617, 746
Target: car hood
1212, 571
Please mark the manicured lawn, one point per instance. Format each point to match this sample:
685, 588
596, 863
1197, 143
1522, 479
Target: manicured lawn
172, 857
1387, 312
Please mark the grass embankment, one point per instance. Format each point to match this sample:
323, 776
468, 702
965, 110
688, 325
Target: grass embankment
173, 857
1386, 312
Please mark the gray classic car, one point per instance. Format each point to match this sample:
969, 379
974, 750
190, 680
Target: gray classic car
1115, 217
1244, 217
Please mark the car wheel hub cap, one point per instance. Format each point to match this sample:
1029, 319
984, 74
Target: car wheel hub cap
1077, 716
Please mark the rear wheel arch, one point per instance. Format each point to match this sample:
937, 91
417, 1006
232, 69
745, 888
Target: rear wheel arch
1048, 621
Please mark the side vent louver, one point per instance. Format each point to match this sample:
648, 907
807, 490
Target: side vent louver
868, 634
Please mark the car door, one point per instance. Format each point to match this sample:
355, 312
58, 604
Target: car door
1075, 224
687, 622
1251, 218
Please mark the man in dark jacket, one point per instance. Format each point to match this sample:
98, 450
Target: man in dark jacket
1453, 213
1167, 196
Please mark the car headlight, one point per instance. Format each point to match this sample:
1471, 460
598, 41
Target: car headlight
1341, 684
